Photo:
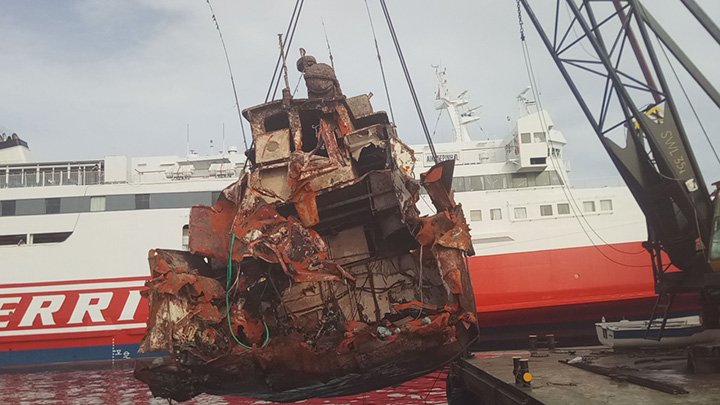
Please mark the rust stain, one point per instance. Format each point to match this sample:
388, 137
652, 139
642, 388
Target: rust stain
313, 274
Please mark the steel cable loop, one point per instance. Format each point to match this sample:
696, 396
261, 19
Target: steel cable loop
227, 301
409, 81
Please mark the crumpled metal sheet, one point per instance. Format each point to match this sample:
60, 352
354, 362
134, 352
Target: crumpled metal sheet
294, 322
438, 183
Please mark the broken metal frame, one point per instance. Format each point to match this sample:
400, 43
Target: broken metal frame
320, 246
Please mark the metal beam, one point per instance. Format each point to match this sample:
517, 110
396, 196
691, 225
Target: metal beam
677, 51
703, 18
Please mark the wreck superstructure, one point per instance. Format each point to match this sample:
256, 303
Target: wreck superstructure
313, 274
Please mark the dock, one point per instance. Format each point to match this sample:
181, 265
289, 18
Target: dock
599, 376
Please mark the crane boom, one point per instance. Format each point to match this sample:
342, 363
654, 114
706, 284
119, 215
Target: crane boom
657, 162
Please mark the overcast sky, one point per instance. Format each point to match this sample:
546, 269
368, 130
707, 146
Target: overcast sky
85, 79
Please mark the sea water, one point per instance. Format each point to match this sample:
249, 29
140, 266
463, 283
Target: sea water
116, 385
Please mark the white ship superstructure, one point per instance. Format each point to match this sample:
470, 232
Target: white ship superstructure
74, 238
516, 191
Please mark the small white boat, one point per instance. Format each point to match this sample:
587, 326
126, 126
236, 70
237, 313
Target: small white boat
677, 332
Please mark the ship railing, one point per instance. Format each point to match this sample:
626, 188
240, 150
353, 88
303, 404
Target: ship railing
80, 176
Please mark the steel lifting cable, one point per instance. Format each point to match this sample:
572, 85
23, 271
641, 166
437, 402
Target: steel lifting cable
382, 68
568, 194
409, 81
569, 197
286, 48
232, 78
699, 121
288, 38
687, 98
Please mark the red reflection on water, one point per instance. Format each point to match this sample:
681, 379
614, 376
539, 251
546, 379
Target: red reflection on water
428, 389
117, 386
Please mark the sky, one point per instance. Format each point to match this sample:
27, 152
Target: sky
83, 79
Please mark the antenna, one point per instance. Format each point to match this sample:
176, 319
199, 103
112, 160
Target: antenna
332, 63
286, 90
222, 151
187, 140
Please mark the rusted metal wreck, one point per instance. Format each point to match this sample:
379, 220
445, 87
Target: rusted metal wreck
313, 275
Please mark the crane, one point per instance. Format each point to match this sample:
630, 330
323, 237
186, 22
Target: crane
611, 41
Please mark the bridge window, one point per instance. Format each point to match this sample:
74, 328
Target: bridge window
546, 210
276, 122
525, 137
495, 214
589, 206
186, 237
142, 201
538, 137
97, 203
563, 209
51, 237
475, 183
519, 180
495, 182
309, 121
606, 205
520, 212
458, 184
475, 215
13, 240
555, 179
52, 205
7, 208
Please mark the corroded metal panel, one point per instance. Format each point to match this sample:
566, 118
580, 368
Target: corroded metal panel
313, 275
272, 146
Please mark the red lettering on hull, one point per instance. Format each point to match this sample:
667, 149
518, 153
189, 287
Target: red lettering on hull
70, 311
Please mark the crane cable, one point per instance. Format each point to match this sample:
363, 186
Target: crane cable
409, 80
577, 213
687, 98
382, 68
289, 35
569, 197
232, 79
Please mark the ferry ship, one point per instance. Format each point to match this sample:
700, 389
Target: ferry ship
74, 238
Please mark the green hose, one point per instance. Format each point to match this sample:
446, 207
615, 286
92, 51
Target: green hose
227, 301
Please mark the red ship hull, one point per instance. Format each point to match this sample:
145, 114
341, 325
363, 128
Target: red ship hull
562, 291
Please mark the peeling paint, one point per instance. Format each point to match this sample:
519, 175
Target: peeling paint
313, 274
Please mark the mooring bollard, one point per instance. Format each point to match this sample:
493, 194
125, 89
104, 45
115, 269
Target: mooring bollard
550, 341
533, 342
516, 369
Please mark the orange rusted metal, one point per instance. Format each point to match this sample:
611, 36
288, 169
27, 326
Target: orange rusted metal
313, 274
438, 183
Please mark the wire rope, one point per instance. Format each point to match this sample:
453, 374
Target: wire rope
577, 213
382, 68
232, 78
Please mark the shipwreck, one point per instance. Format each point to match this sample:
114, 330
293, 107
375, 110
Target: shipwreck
313, 275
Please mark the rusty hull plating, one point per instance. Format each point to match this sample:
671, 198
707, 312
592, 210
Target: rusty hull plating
336, 284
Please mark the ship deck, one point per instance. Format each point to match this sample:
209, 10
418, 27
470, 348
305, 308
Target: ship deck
489, 377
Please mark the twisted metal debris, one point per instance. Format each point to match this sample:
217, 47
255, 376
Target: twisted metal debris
313, 274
